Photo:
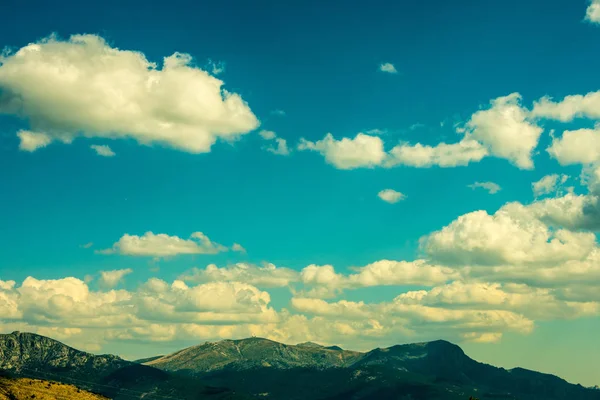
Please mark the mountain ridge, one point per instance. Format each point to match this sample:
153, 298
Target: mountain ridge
263, 368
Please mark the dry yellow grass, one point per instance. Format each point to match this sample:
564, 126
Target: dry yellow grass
25, 388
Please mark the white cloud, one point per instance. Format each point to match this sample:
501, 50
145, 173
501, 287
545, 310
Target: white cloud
442, 155
539, 304
388, 272
162, 245
267, 275
362, 151
104, 150
83, 87
512, 235
505, 130
569, 108
580, 146
592, 13
267, 135
281, 113
238, 247
7, 285
575, 212
491, 187
388, 67
31, 141
376, 132
281, 148
548, 184
391, 196
590, 177
110, 279
323, 281
216, 68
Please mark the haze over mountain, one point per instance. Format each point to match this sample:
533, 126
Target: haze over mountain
262, 368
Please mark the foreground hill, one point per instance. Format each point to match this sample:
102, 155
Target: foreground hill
261, 368
34, 356
25, 388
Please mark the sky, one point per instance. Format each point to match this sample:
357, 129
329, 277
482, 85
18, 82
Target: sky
360, 174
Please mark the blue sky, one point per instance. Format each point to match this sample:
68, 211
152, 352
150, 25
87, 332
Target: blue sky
303, 70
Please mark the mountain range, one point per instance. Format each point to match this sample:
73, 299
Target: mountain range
261, 368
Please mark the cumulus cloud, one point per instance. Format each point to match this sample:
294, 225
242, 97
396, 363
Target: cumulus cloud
391, 196
491, 187
361, 151
163, 245
569, 108
442, 155
324, 281
388, 67
103, 150
31, 141
581, 146
571, 211
418, 317
533, 303
505, 130
548, 184
267, 275
110, 279
83, 87
512, 235
592, 13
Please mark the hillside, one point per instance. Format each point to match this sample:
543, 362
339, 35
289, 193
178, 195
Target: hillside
25, 388
254, 353
27, 351
34, 356
431, 370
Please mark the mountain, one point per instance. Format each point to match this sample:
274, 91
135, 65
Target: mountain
29, 352
34, 356
253, 353
261, 368
431, 370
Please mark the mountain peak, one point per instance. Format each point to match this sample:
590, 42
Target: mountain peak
310, 344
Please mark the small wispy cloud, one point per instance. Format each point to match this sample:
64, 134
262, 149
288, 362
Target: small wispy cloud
103, 150
278, 112
267, 135
416, 126
491, 187
87, 245
388, 67
376, 132
110, 279
391, 196
216, 68
281, 147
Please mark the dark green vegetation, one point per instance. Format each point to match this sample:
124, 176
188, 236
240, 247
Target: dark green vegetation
260, 368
